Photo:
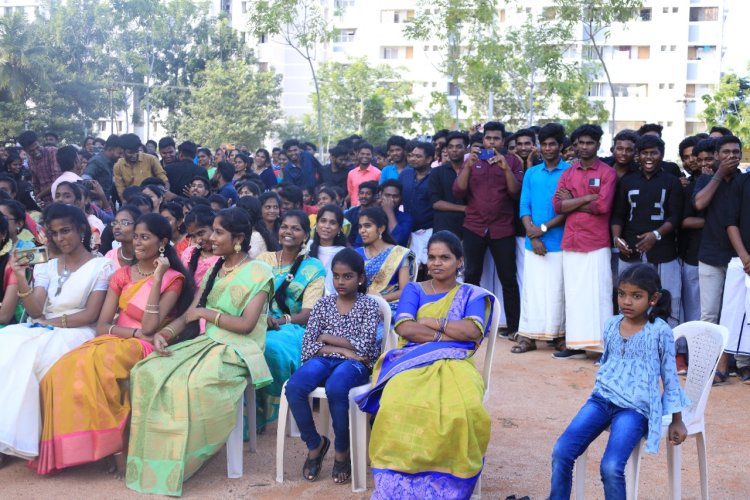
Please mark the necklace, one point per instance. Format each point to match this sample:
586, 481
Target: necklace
432, 285
122, 255
138, 267
279, 263
64, 275
228, 270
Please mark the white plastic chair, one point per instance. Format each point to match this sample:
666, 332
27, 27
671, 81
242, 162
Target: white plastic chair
234, 443
706, 342
358, 477
359, 428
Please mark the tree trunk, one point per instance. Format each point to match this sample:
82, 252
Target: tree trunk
532, 88
600, 55
317, 98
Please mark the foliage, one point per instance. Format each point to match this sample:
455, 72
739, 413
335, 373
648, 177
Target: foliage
249, 99
729, 106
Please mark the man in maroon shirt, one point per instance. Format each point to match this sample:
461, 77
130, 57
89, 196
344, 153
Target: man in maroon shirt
490, 187
42, 165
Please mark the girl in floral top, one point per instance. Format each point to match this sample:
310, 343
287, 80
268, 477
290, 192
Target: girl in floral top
639, 356
338, 351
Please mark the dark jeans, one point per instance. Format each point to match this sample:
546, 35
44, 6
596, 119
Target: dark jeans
338, 376
504, 254
627, 427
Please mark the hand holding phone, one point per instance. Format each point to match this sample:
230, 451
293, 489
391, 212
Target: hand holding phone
31, 256
486, 154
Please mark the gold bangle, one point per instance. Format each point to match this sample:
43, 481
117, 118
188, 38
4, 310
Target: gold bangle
109, 332
217, 319
64, 320
23, 295
170, 330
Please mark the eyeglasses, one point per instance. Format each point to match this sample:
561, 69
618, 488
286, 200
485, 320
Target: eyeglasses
123, 223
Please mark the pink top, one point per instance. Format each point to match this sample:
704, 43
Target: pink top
204, 264
586, 232
112, 255
356, 177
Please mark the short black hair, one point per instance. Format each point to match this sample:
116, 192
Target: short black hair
166, 142
289, 143
720, 129
587, 130
495, 126
337, 151
130, 142
392, 183
188, 149
650, 127
373, 186
217, 198
707, 145
650, 141
129, 192
66, 158
440, 134
728, 139
457, 134
27, 138
99, 140
364, 145
292, 193
687, 142
626, 135
396, 140
477, 137
112, 142
526, 132
427, 147
5, 177
205, 151
203, 180
153, 181
311, 145
552, 131
225, 170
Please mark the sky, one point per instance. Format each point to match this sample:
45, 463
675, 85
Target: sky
737, 56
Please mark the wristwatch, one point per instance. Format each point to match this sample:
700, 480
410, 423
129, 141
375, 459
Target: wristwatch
543, 227
657, 234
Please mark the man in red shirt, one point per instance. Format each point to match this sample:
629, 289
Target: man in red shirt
362, 173
42, 164
586, 192
490, 186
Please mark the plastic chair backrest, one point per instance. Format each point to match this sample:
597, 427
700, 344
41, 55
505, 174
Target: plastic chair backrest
706, 341
385, 313
490, 344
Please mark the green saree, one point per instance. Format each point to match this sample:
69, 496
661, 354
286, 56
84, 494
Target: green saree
185, 405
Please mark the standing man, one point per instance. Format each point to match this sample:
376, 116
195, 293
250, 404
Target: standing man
303, 168
167, 151
336, 172
416, 197
396, 150
526, 147
101, 167
542, 293
646, 215
181, 172
134, 167
623, 153
585, 193
490, 187
449, 210
42, 165
363, 172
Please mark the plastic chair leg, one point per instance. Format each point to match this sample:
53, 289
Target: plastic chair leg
325, 419
700, 440
293, 429
674, 469
234, 447
580, 476
252, 417
632, 472
281, 435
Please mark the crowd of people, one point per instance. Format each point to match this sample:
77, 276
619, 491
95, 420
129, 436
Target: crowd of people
143, 285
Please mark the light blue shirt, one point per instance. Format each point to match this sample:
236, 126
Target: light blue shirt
391, 172
630, 371
538, 189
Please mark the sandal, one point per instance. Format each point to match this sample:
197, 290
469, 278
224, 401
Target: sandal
720, 378
559, 344
524, 345
311, 469
744, 374
344, 468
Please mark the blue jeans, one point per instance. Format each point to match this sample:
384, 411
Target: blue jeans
338, 376
627, 427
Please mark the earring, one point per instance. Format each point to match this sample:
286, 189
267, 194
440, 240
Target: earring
237, 248
83, 238
380, 236
161, 251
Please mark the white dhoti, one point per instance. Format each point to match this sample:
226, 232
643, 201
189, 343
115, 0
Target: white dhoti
418, 244
587, 278
735, 307
542, 297
491, 282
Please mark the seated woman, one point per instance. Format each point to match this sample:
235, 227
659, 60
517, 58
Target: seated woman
10, 310
261, 240
338, 351
185, 402
172, 211
17, 218
199, 258
85, 397
328, 240
270, 208
66, 300
389, 266
438, 450
299, 282
73, 193
122, 230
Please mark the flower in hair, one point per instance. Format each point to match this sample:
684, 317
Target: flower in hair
289, 277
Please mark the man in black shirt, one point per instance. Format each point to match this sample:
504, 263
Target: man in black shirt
647, 211
182, 172
711, 195
690, 232
623, 153
655, 130
335, 173
449, 210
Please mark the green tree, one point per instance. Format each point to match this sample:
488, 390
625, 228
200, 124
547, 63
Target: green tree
729, 106
251, 107
597, 18
303, 25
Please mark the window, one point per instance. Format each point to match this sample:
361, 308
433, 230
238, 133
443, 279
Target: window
102, 125
395, 16
663, 48
672, 48
621, 90
644, 52
344, 36
426, 48
119, 126
701, 14
244, 7
646, 14
661, 86
675, 10
263, 38
435, 48
410, 52
501, 15
700, 53
665, 10
390, 52
690, 90
343, 4
671, 86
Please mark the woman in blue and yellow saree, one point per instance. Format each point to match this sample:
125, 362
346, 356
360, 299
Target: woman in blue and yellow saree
431, 428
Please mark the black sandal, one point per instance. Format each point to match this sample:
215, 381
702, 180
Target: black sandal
720, 378
344, 467
312, 467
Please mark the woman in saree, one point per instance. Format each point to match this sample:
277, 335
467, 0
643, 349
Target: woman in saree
10, 310
85, 397
122, 232
299, 282
199, 257
431, 429
185, 401
389, 266
172, 211
66, 300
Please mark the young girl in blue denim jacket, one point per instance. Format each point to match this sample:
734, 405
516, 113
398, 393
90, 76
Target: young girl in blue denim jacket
627, 397
338, 352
